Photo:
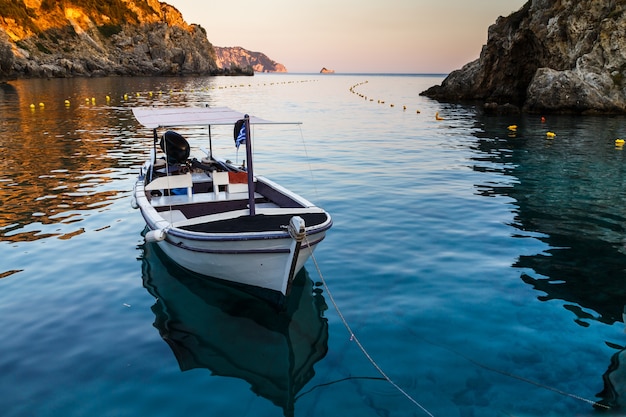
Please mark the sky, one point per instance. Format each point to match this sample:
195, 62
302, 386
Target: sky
362, 36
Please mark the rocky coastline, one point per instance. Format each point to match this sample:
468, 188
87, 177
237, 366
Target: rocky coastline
238, 57
563, 56
49, 39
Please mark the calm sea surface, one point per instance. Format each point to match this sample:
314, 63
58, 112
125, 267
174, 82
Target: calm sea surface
483, 270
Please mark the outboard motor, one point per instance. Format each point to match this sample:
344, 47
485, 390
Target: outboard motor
175, 147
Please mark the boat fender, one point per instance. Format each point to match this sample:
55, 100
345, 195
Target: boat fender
155, 235
133, 203
297, 228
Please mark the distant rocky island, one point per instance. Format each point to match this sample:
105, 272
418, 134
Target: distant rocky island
549, 57
46, 38
327, 71
226, 57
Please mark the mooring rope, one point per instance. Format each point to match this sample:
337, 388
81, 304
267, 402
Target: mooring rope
354, 338
306, 154
595, 404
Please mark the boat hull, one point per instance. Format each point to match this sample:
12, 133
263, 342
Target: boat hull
264, 259
257, 262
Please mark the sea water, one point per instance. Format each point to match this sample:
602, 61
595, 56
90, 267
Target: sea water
472, 269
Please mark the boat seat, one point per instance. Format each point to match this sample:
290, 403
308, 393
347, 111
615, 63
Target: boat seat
233, 182
237, 182
171, 182
219, 178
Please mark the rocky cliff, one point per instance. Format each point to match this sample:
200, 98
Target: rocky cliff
227, 57
558, 56
52, 38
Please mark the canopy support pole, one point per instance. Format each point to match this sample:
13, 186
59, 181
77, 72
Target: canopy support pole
154, 152
249, 166
210, 144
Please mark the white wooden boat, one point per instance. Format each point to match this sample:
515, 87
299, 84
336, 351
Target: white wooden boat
217, 219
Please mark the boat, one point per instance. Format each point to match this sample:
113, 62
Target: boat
218, 219
209, 324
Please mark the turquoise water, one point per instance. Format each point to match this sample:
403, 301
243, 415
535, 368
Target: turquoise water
483, 270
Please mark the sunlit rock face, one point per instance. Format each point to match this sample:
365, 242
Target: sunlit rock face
46, 38
243, 58
564, 56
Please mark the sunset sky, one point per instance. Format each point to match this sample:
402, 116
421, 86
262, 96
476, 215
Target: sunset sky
394, 36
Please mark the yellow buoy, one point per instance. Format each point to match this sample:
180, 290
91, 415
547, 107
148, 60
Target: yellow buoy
437, 117
67, 103
512, 128
41, 105
108, 98
619, 142
550, 135
32, 106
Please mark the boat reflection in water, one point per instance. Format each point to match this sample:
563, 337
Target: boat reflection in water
613, 394
212, 325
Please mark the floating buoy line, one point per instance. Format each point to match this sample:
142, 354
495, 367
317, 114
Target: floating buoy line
355, 339
162, 95
550, 135
353, 90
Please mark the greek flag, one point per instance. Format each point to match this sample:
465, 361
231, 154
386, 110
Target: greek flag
241, 136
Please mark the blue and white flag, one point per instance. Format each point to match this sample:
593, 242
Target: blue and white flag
241, 135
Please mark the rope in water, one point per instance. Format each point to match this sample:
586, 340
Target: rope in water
355, 339
386, 377
520, 378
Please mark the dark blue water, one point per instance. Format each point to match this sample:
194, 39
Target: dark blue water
482, 270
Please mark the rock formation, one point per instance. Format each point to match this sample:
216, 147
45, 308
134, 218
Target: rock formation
47, 38
238, 57
325, 70
551, 56
50, 38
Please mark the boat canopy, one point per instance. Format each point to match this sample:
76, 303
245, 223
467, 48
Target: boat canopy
163, 117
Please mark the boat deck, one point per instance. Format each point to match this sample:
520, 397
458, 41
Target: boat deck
256, 223
175, 200
218, 202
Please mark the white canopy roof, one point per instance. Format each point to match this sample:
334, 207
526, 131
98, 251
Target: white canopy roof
153, 117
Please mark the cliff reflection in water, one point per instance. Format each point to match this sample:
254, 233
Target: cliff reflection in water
569, 193
215, 326
61, 161
56, 160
